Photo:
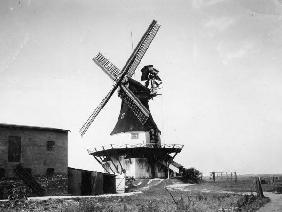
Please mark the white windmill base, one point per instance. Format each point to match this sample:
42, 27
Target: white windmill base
139, 160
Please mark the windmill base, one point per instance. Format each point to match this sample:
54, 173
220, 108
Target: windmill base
139, 161
137, 167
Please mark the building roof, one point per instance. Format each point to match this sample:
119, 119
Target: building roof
14, 126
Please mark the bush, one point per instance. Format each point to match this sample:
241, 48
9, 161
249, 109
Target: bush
191, 175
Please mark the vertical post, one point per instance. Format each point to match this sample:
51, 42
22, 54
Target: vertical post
167, 170
213, 176
122, 169
235, 176
259, 188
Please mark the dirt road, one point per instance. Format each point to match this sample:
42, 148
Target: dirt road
275, 203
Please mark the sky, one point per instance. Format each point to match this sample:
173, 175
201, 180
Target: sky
220, 62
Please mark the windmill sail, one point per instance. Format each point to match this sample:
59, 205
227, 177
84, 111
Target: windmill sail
142, 47
129, 98
113, 72
139, 110
131, 117
118, 76
110, 69
97, 110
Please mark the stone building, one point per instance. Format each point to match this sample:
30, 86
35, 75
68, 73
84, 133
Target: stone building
40, 150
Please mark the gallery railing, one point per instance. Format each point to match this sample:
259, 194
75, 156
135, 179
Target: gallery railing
124, 146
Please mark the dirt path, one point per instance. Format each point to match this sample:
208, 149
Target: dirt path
275, 203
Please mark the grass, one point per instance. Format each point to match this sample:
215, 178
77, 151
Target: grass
203, 197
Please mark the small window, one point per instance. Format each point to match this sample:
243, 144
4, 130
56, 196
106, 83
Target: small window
134, 135
50, 145
14, 149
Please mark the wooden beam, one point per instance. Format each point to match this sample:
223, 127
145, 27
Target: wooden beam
101, 164
120, 164
109, 165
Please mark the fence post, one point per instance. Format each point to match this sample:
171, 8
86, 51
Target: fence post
167, 170
259, 188
213, 176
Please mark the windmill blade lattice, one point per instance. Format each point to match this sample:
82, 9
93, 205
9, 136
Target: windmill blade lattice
97, 110
110, 69
130, 99
142, 46
139, 110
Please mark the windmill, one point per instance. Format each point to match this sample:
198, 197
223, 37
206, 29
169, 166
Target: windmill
134, 116
120, 78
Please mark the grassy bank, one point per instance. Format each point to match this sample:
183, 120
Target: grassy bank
203, 197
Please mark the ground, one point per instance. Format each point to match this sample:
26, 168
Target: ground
275, 203
156, 195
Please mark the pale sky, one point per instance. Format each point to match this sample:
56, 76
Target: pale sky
220, 61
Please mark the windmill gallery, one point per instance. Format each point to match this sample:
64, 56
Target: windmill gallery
141, 153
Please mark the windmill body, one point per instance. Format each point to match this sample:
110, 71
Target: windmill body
140, 153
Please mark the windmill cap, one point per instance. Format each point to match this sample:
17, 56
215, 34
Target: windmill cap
149, 66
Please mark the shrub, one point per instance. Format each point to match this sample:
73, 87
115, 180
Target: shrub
191, 175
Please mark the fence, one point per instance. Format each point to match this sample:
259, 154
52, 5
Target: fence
219, 176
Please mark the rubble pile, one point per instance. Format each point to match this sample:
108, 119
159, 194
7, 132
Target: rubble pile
7, 184
56, 184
